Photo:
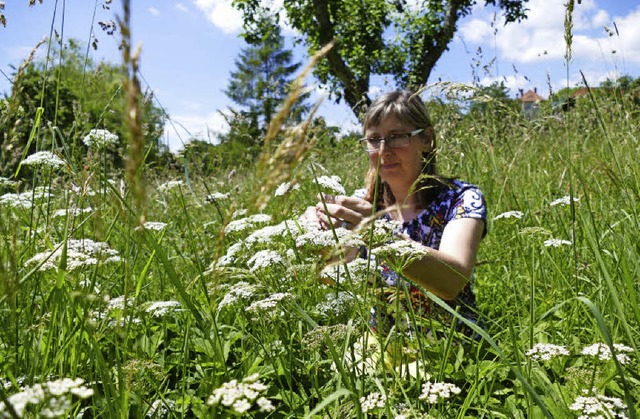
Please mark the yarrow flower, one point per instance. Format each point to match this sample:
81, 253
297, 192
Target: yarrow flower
509, 214
401, 249
7, 182
216, 196
319, 239
331, 182
557, 243
247, 222
73, 212
336, 305
372, 401
241, 396
565, 200
598, 406
546, 351
603, 352
45, 159
435, 392
14, 200
285, 187
160, 308
100, 138
241, 291
57, 394
263, 259
172, 184
154, 225
80, 253
269, 302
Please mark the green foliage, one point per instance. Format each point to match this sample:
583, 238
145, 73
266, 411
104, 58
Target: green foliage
373, 37
76, 95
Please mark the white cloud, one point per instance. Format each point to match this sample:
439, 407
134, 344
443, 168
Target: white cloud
181, 7
203, 127
476, 30
154, 11
222, 14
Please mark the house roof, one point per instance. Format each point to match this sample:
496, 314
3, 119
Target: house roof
532, 96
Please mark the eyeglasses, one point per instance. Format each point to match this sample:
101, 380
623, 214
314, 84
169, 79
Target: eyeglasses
371, 145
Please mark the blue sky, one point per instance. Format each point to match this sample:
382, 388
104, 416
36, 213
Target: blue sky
189, 48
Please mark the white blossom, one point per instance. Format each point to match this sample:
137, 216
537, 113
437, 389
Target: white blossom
241, 291
269, 302
546, 351
57, 395
372, 401
172, 184
565, 200
263, 259
509, 214
247, 223
45, 159
7, 182
160, 308
603, 352
154, 225
73, 212
216, 196
336, 305
14, 200
80, 253
318, 239
285, 187
100, 138
435, 392
557, 243
598, 406
401, 249
331, 182
241, 396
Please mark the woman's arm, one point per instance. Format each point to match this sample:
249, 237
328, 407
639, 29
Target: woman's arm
446, 271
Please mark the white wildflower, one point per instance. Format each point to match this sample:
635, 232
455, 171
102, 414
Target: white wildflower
546, 351
247, 222
216, 196
172, 184
267, 234
160, 308
401, 249
603, 352
599, 406
265, 405
372, 401
159, 408
45, 159
80, 253
336, 305
332, 183
100, 138
565, 200
557, 243
229, 258
264, 259
14, 200
57, 395
241, 396
435, 392
359, 270
7, 182
154, 225
73, 212
509, 214
118, 303
318, 239
269, 302
285, 187
241, 291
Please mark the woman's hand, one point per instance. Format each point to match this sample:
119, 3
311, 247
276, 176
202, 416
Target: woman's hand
343, 211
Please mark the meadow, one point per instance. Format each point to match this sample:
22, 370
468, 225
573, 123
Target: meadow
210, 297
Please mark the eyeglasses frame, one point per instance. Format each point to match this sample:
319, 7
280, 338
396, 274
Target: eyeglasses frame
409, 135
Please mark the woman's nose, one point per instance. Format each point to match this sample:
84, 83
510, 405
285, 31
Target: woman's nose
384, 147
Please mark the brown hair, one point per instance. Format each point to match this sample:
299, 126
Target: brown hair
408, 108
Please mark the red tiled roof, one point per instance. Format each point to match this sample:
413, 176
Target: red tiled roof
532, 96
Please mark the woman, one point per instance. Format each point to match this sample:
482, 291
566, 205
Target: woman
447, 216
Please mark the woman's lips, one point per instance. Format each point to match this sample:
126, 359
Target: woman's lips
387, 166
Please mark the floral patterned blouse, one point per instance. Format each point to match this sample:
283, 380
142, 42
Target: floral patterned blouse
458, 200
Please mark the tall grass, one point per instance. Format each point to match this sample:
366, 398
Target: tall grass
215, 312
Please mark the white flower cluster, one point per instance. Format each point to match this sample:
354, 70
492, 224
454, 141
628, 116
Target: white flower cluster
172, 184
372, 401
100, 138
58, 395
160, 408
80, 253
268, 233
556, 243
241, 396
269, 302
435, 392
229, 258
603, 352
45, 159
216, 196
247, 222
358, 269
240, 291
73, 212
336, 305
117, 303
14, 200
7, 182
160, 308
332, 183
565, 200
546, 351
263, 259
154, 225
319, 239
401, 249
599, 406
285, 187
509, 214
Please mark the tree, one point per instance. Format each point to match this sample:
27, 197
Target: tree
262, 79
374, 37
490, 98
76, 95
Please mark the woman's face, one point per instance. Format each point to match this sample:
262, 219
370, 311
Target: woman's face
399, 167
